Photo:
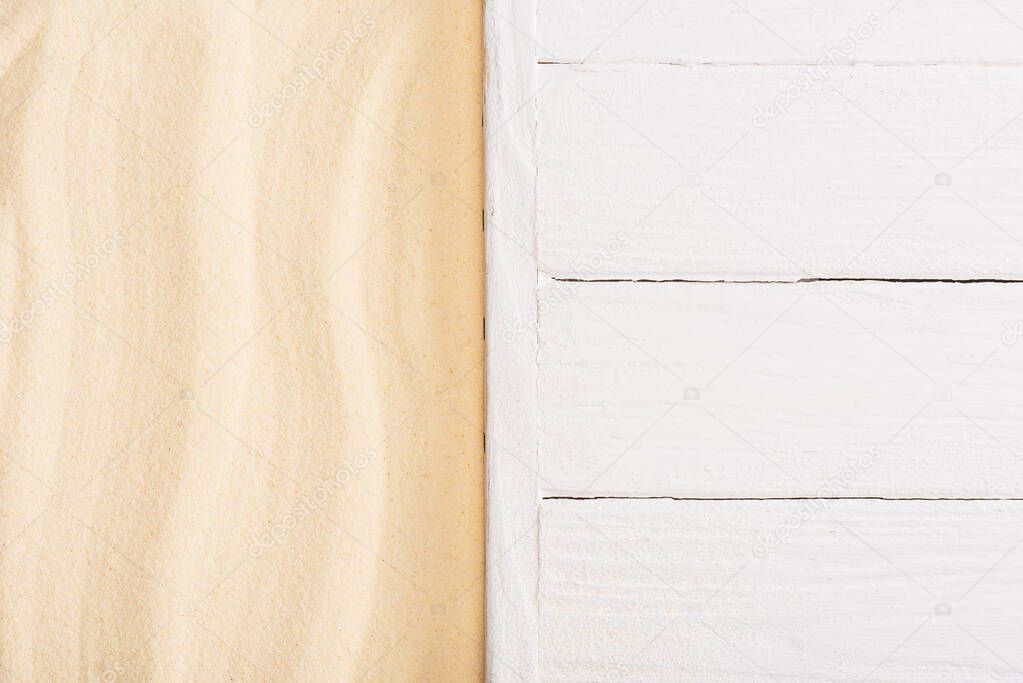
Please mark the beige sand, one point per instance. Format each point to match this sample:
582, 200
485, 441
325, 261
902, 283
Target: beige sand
241, 323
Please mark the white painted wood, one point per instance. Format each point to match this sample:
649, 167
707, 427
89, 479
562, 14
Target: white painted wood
764, 390
906, 172
747, 140
781, 31
684, 591
511, 358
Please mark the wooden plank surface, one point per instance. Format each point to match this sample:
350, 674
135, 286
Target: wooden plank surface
705, 390
689, 591
740, 151
781, 31
907, 172
512, 410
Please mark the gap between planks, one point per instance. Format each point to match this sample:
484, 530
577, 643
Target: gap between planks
726, 65
955, 281
780, 498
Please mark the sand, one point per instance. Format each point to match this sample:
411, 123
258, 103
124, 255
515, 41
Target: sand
241, 355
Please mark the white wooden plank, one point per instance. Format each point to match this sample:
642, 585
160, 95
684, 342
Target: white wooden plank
512, 491
683, 591
781, 31
668, 172
837, 388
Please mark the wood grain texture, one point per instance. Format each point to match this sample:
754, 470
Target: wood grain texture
779, 31
899, 171
738, 152
686, 591
512, 407
707, 390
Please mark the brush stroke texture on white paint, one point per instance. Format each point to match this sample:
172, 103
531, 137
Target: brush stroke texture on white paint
778, 31
748, 389
673, 591
644, 158
907, 172
511, 366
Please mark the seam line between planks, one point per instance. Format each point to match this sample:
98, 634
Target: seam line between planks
956, 281
883, 65
783, 498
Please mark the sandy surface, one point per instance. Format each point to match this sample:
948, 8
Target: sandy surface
240, 340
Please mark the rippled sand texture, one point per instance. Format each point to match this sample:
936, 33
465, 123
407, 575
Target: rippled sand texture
241, 305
